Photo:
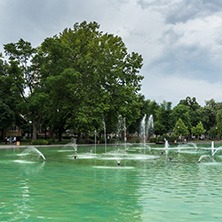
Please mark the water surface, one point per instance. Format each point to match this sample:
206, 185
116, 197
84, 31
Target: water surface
148, 185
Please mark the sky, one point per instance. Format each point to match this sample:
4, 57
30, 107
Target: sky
180, 40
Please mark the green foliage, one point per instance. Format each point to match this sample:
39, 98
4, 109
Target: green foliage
89, 74
153, 139
219, 123
180, 128
82, 76
194, 111
40, 142
182, 112
198, 130
213, 132
165, 119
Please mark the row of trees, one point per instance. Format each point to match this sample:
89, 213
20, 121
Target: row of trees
186, 118
71, 81
82, 76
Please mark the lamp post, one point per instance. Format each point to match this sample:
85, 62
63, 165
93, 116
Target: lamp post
180, 137
216, 132
30, 134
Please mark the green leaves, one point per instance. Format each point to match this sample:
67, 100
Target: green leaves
198, 130
180, 128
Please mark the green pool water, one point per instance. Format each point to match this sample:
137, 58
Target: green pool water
146, 186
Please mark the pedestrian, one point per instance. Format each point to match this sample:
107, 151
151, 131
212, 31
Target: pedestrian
10, 140
6, 140
14, 140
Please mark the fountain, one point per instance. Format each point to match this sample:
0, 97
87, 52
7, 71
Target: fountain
25, 187
216, 150
95, 139
150, 126
212, 148
143, 130
203, 157
124, 128
69, 147
33, 153
104, 127
119, 129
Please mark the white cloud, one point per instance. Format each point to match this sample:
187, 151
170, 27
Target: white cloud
173, 89
180, 40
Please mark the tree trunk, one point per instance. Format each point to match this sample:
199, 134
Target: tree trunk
2, 136
34, 130
60, 135
86, 137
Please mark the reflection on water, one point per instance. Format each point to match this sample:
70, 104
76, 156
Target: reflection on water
152, 185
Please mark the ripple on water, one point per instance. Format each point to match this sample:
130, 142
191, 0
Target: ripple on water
115, 168
23, 161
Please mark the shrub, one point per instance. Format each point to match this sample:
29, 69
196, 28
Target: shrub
138, 140
40, 142
153, 139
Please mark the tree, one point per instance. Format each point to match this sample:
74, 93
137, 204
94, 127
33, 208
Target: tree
164, 122
190, 102
106, 80
219, 123
180, 128
195, 112
198, 130
9, 96
25, 77
208, 116
182, 112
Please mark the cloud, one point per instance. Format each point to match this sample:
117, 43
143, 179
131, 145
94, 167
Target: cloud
186, 10
181, 11
191, 49
173, 89
180, 40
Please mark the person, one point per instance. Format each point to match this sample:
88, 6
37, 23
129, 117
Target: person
6, 140
14, 140
108, 139
10, 139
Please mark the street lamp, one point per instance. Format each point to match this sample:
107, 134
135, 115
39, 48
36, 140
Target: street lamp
30, 134
216, 132
180, 137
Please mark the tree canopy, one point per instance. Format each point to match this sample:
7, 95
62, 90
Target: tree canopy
76, 77
81, 77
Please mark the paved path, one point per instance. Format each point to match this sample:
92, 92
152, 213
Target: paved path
62, 145
25, 146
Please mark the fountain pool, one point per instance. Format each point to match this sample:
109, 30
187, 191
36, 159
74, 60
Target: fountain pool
147, 186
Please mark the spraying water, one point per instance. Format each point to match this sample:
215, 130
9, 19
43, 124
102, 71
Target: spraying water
212, 148
32, 152
104, 127
124, 128
143, 130
95, 139
150, 126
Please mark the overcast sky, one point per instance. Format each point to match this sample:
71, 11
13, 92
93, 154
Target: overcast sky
180, 40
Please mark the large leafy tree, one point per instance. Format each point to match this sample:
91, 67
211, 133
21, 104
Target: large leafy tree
9, 97
26, 80
195, 111
103, 77
182, 112
165, 120
198, 129
219, 123
180, 128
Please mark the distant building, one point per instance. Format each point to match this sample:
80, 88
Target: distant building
12, 131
